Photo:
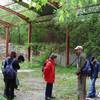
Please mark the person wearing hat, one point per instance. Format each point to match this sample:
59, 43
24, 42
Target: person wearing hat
81, 59
49, 76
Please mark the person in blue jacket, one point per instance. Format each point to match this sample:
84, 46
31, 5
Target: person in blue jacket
95, 66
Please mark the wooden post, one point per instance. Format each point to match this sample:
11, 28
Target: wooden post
18, 36
67, 47
7, 40
29, 39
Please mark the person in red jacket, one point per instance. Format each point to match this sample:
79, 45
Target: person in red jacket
49, 76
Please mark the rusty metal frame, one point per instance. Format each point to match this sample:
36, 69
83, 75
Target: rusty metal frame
11, 3
5, 23
7, 30
26, 5
5, 15
15, 13
8, 26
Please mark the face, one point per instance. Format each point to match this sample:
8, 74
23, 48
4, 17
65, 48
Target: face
54, 59
95, 60
78, 52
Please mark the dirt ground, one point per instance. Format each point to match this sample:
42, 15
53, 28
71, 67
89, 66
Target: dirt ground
34, 89
31, 87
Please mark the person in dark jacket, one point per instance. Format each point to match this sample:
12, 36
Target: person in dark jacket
20, 59
95, 65
10, 83
49, 76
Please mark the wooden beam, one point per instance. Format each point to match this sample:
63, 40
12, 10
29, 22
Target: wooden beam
25, 5
6, 24
7, 40
5, 15
88, 8
67, 47
96, 12
15, 13
49, 3
45, 10
29, 39
11, 3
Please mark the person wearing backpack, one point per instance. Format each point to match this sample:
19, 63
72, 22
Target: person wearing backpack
49, 76
10, 69
95, 65
81, 59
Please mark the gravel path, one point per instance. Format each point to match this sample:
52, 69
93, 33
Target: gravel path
33, 87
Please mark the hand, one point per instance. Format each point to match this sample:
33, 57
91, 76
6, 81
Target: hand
78, 73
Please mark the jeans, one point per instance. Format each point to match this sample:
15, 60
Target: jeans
48, 92
92, 91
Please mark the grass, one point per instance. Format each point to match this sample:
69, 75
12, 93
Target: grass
36, 62
65, 86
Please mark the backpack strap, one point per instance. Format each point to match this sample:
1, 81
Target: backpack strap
10, 62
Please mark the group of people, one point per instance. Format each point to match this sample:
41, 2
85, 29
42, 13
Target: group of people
9, 70
93, 66
90, 66
11, 65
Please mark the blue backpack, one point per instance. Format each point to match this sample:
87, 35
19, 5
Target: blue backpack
9, 71
87, 70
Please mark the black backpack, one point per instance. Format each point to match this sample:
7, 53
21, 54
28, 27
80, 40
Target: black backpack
86, 69
9, 71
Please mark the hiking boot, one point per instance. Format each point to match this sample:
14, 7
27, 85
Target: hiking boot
47, 98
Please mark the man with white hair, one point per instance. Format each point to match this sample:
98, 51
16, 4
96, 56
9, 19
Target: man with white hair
81, 58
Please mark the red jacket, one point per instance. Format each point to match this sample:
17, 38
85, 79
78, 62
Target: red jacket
49, 71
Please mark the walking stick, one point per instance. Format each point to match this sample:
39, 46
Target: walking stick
72, 62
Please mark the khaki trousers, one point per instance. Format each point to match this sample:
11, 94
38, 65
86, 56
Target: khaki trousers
82, 88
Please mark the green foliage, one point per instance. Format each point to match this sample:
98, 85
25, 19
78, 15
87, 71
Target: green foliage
98, 58
67, 14
84, 30
65, 83
21, 34
87, 34
2, 98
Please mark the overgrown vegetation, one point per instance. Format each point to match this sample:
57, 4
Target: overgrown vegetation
83, 29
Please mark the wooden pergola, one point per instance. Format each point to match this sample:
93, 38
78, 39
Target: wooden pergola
8, 25
44, 12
